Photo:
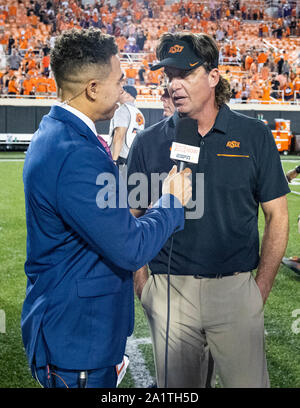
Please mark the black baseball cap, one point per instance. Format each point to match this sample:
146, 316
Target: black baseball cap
181, 55
131, 90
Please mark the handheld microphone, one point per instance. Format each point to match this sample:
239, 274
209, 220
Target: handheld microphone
185, 148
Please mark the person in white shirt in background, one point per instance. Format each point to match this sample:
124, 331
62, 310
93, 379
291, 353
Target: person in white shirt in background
126, 122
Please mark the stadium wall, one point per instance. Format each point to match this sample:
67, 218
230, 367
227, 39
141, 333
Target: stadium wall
23, 117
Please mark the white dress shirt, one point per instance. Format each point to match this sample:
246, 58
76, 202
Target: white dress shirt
80, 115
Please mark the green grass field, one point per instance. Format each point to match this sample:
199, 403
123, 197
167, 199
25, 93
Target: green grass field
283, 346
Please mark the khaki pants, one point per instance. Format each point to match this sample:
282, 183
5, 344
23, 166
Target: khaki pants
226, 314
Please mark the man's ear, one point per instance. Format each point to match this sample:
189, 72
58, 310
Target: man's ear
214, 77
92, 89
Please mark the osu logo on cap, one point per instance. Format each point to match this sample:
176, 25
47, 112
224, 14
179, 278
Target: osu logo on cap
176, 48
139, 119
232, 144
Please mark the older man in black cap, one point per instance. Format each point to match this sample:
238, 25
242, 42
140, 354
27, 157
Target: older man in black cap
127, 121
214, 299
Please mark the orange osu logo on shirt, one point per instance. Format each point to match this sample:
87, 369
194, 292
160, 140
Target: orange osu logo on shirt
232, 144
139, 119
176, 48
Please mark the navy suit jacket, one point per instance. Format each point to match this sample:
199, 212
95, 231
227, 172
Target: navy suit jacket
79, 305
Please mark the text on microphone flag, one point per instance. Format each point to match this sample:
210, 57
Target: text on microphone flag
185, 152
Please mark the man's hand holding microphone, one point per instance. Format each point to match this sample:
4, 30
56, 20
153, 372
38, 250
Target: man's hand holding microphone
179, 184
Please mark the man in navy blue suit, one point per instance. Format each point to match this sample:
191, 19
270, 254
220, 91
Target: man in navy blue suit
79, 307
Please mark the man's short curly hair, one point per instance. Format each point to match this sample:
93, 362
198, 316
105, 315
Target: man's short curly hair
76, 50
205, 47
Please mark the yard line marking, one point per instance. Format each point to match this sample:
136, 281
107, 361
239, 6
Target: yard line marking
141, 340
140, 373
295, 192
11, 160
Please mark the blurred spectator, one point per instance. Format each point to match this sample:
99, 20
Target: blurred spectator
245, 91
11, 42
261, 60
296, 83
288, 88
27, 86
13, 86
154, 78
4, 79
285, 67
130, 74
275, 87
280, 64
141, 74
46, 64
140, 39
14, 60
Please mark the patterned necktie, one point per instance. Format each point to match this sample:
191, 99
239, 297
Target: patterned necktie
105, 145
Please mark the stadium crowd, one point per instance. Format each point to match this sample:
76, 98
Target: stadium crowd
259, 50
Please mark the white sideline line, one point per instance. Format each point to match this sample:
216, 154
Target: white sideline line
289, 161
11, 160
140, 373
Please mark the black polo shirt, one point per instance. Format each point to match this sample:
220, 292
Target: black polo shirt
241, 168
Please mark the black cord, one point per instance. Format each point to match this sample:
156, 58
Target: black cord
168, 314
